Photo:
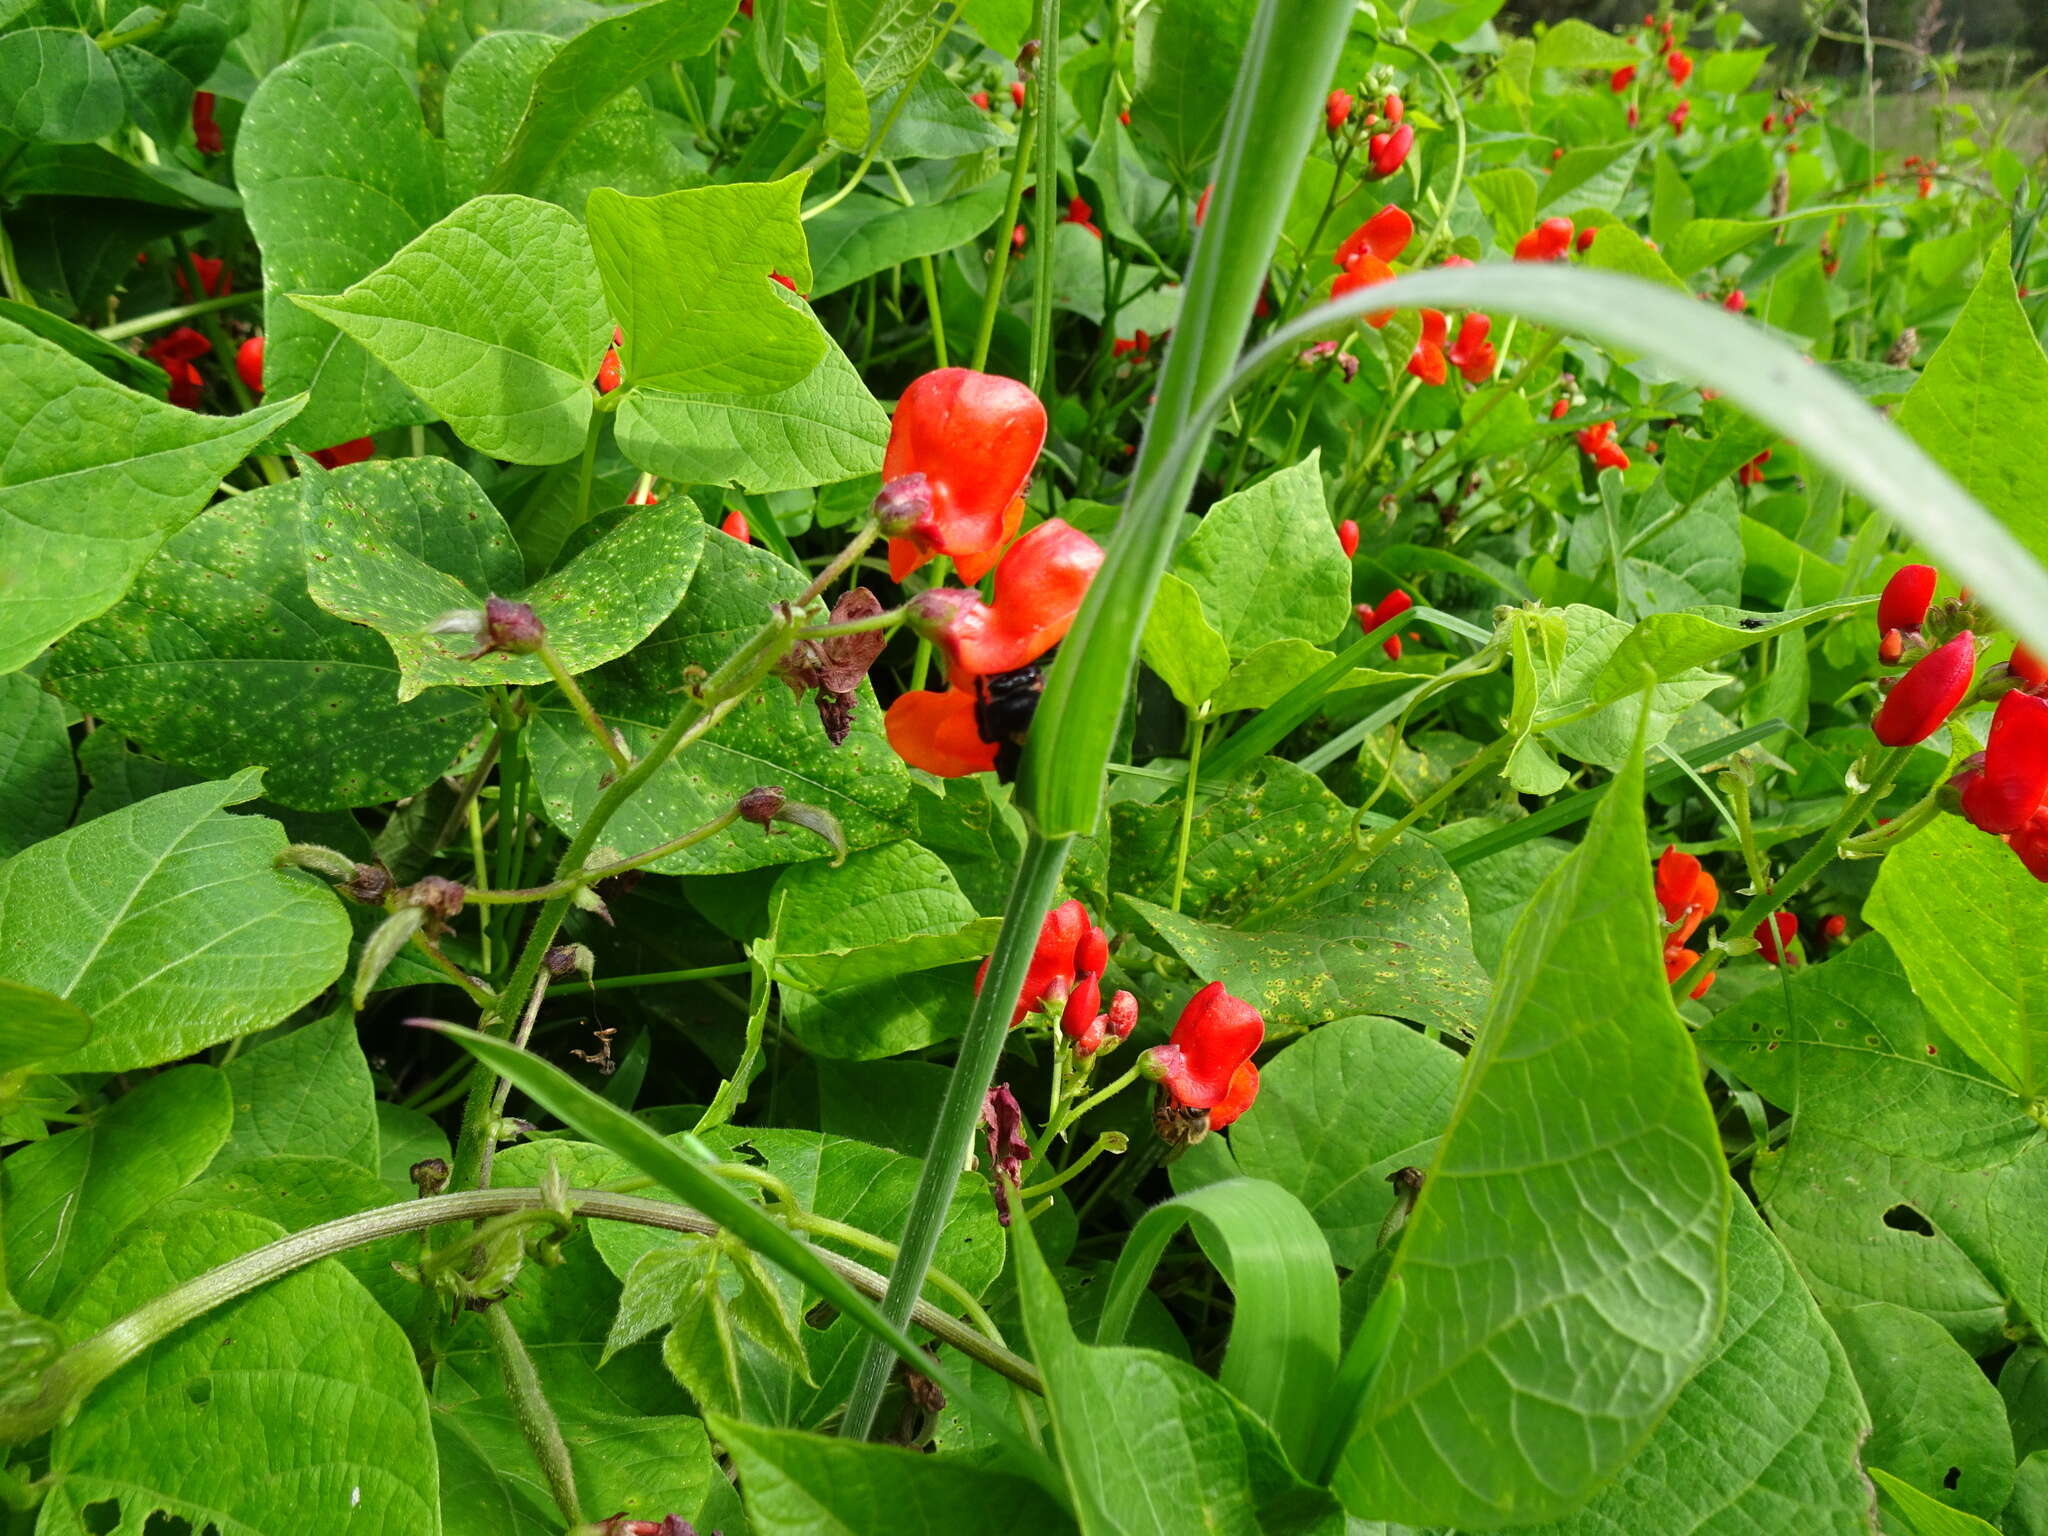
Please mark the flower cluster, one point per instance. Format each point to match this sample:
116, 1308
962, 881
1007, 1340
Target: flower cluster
1064, 981
1688, 896
975, 438
1597, 443
1371, 616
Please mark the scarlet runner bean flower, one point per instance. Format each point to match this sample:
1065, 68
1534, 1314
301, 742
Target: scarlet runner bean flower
735, 526
1752, 473
1548, 241
2031, 844
2028, 667
1365, 254
1688, 895
1069, 947
1207, 1064
1921, 701
1904, 602
215, 278
1137, 347
1559, 408
1586, 238
1472, 354
974, 437
1622, 79
1833, 927
341, 455
937, 731
1371, 617
1678, 65
205, 131
1389, 151
1347, 538
1394, 107
1017, 94
249, 364
1597, 443
1078, 212
1426, 362
1736, 302
2002, 796
1774, 935
174, 353
1337, 109
609, 373
1678, 116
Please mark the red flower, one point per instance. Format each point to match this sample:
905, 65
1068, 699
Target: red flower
936, 732
249, 364
1371, 618
1906, 598
1833, 926
1622, 79
1395, 108
1770, 118
1686, 892
1078, 212
1366, 252
1065, 939
1922, 700
1426, 362
980, 99
609, 375
1017, 94
2031, 844
205, 131
1548, 241
174, 354
1389, 151
735, 526
777, 277
1678, 64
640, 498
1018, 235
1752, 473
974, 437
1347, 537
1586, 238
1472, 354
1211, 1045
1891, 647
1735, 303
1139, 346
2028, 667
1038, 589
1775, 934
1337, 108
1597, 443
341, 455
214, 277
1926, 186
1678, 116
2003, 795
1559, 408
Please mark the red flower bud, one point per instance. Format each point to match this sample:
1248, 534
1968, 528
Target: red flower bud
1123, 1015
1347, 537
609, 373
1559, 408
1586, 238
1371, 617
1336, 109
1736, 302
1622, 79
205, 131
1775, 934
2014, 781
1833, 926
1548, 241
1017, 94
1906, 598
1678, 64
1891, 647
1202, 205
249, 364
974, 437
1078, 212
1388, 151
735, 526
1678, 116
1081, 1020
1922, 700
1394, 107
1215, 1037
980, 99
1050, 978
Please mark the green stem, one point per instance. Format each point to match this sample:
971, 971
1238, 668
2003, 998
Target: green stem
10, 274
665, 978
158, 319
536, 1416
1513, 386
1108, 1141
585, 710
1453, 104
86, 1364
586, 471
455, 974
999, 262
1187, 804
110, 40
1045, 109
1818, 857
1093, 1102
981, 1047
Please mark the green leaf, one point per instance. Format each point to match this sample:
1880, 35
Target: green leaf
2018, 1222
365, 528
1666, 646
337, 172
219, 658
687, 275
117, 363
67, 1200
807, 1485
1765, 1435
1182, 646
823, 428
58, 86
622, 145
1695, 465
190, 1430
769, 738
1201, 1462
1957, 906
601, 61
1508, 194
1926, 1516
1187, 63
846, 105
893, 909
97, 477
1575, 44
865, 233
1709, 242
1391, 938
1940, 1423
169, 922
1592, 638
1981, 399
1266, 563
38, 780
307, 1092
1282, 1358
938, 122
37, 1026
1524, 1316
1617, 248
494, 318
1595, 176
1337, 1112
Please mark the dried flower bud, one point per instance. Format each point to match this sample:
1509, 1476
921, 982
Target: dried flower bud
370, 884
440, 896
512, 627
429, 1175
762, 805
1027, 57
568, 960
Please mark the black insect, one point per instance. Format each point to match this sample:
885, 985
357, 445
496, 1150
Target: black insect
1004, 705
1752, 623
